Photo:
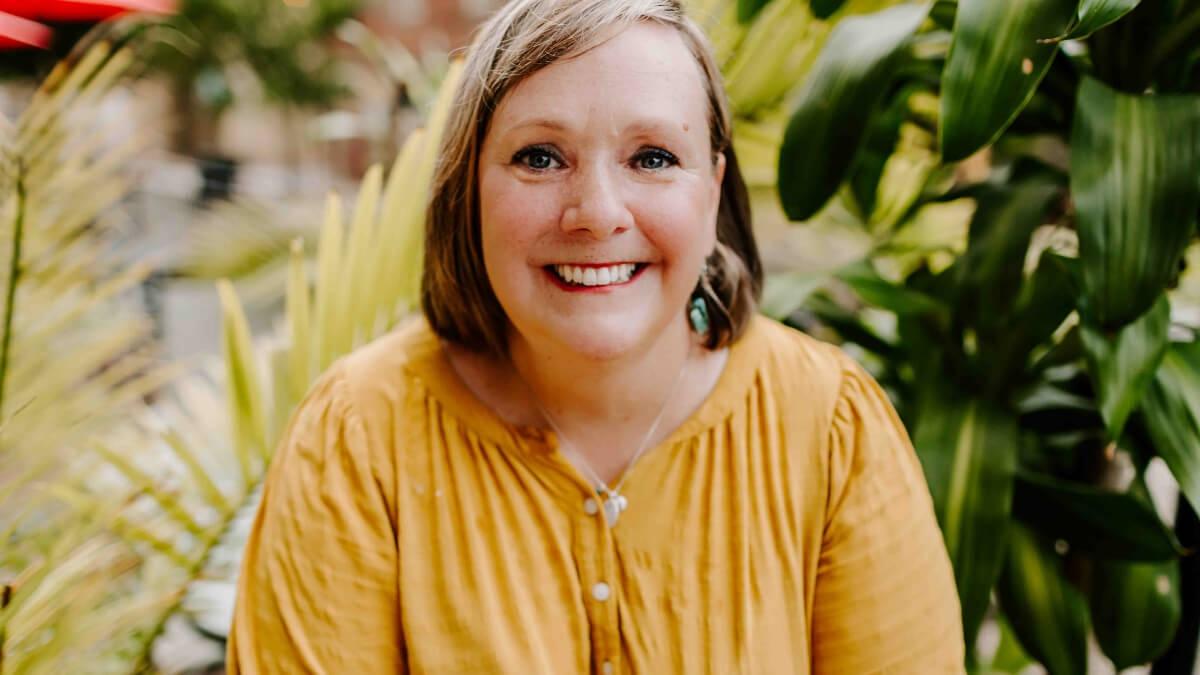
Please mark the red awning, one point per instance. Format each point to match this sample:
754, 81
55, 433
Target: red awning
82, 10
19, 27
17, 32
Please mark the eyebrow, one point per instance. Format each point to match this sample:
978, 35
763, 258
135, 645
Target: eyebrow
543, 122
637, 126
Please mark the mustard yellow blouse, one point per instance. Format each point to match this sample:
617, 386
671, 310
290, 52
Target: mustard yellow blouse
786, 527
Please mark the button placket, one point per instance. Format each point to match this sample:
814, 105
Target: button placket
596, 560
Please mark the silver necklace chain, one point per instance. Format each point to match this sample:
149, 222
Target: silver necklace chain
614, 501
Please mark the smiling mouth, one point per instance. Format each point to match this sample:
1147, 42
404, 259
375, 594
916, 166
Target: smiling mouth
596, 276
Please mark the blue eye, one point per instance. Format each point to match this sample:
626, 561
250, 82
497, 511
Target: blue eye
655, 159
537, 158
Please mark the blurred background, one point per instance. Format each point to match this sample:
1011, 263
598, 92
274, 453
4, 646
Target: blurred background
993, 204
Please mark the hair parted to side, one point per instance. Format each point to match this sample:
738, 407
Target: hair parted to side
521, 39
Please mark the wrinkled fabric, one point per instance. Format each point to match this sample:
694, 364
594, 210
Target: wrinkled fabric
785, 527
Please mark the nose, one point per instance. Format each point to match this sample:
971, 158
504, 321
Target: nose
597, 207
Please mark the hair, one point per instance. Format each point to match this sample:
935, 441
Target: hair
519, 40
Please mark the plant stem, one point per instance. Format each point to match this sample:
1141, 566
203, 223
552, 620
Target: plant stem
14, 274
145, 663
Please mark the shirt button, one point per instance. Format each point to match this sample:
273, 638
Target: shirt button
601, 591
606, 668
590, 507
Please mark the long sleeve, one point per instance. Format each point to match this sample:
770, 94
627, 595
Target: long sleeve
318, 587
885, 600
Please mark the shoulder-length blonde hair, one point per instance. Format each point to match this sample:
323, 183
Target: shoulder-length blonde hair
522, 38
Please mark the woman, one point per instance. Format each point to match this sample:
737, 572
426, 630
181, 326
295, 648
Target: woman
591, 456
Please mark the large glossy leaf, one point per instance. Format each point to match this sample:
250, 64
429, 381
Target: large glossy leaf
1134, 162
995, 43
877, 291
1171, 410
1045, 300
1123, 363
1094, 15
1098, 522
837, 102
1048, 614
1135, 609
990, 273
968, 449
879, 144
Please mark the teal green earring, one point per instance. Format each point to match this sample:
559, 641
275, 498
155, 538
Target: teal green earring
698, 314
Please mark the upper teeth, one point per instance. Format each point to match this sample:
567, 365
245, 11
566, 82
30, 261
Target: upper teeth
596, 276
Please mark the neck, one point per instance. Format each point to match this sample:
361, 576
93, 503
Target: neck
603, 408
582, 392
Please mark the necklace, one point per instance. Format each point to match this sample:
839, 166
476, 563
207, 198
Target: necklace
614, 502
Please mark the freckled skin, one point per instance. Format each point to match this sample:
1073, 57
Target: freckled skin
601, 158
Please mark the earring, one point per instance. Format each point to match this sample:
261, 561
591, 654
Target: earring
698, 306
698, 314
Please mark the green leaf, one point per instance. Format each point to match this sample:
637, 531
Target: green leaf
968, 450
943, 13
1134, 162
1123, 363
1171, 410
784, 293
836, 105
877, 291
1135, 609
1094, 15
1010, 657
850, 326
748, 9
995, 43
1047, 613
990, 273
243, 384
1098, 522
823, 9
878, 145
1046, 299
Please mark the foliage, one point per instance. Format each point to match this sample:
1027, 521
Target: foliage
1036, 360
279, 41
132, 487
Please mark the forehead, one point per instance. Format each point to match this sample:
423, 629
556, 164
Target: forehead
645, 69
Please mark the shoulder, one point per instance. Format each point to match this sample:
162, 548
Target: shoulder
802, 371
364, 399
383, 375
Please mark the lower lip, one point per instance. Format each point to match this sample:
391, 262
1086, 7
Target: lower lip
575, 288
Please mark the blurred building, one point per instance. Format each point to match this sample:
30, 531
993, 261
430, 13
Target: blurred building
421, 25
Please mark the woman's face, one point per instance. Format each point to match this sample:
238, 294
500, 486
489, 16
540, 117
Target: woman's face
598, 195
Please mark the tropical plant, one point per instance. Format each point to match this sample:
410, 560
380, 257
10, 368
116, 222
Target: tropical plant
280, 43
76, 357
124, 502
1027, 173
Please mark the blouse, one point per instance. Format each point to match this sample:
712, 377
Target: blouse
784, 527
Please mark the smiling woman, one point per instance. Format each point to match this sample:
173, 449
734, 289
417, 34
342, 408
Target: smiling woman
590, 455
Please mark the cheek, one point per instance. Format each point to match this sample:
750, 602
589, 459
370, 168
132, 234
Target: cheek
512, 217
680, 223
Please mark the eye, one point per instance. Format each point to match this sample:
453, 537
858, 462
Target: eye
654, 159
538, 158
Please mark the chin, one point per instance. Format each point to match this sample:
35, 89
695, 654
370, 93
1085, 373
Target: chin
603, 338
